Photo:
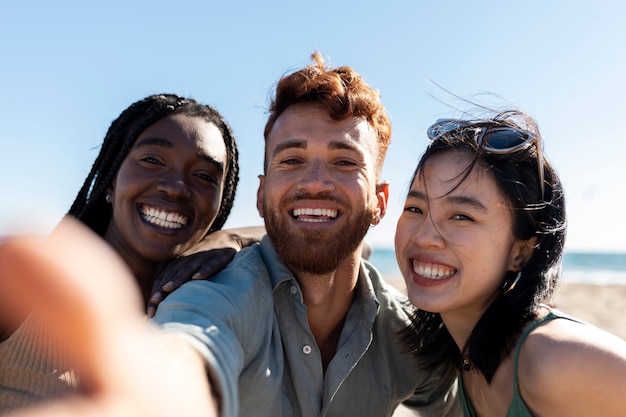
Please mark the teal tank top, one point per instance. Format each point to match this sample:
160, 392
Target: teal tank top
518, 407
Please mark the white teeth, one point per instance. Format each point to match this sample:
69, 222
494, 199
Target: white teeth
162, 218
324, 214
431, 271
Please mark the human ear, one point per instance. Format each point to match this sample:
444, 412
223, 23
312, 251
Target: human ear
260, 194
382, 197
521, 253
110, 190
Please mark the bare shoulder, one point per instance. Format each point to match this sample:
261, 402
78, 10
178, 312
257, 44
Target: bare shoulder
575, 366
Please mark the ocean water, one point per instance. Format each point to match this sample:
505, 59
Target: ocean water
578, 267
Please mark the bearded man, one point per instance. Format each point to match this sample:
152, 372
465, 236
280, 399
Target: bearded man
299, 324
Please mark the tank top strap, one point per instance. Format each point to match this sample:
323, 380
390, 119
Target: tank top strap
553, 314
518, 346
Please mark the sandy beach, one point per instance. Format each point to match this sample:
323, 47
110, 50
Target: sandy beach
600, 305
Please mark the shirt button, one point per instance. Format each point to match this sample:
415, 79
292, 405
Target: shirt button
293, 289
306, 349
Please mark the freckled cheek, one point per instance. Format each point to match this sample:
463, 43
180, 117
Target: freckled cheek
401, 234
278, 185
402, 239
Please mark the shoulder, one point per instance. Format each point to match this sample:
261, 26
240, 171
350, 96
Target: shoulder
248, 259
247, 269
381, 287
393, 308
243, 286
563, 362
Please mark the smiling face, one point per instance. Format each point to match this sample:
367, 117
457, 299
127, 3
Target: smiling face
454, 244
319, 193
167, 191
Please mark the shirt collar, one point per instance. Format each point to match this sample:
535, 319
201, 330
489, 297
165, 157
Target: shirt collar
279, 273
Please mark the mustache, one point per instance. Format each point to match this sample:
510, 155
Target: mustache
305, 195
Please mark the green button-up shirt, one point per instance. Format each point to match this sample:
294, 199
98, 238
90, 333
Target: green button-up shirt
250, 324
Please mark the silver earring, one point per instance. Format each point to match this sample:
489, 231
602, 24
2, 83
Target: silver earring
107, 198
506, 288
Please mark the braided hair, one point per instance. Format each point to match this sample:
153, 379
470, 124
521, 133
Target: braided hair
90, 205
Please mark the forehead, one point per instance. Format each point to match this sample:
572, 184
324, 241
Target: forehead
446, 172
312, 125
182, 131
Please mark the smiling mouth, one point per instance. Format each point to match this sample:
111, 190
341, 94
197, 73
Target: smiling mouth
163, 218
432, 271
314, 215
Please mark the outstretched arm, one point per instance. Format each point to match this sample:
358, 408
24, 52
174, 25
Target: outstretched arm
126, 367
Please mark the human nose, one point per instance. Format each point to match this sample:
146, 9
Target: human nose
174, 186
427, 234
316, 178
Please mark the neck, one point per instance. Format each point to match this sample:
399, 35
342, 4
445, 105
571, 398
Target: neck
460, 327
142, 268
145, 282
144, 272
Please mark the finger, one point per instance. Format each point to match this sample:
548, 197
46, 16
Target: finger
203, 274
211, 268
171, 286
164, 276
207, 271
156, 298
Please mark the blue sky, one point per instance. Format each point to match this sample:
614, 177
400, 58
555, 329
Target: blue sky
68, 68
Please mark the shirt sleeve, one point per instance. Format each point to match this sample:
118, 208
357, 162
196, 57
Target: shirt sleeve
219, 318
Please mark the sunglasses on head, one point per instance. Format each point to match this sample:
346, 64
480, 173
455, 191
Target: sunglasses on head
500, 140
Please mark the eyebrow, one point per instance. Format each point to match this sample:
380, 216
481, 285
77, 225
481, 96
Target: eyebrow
298, 144
348, 146
302, 144
453, 199
167, 144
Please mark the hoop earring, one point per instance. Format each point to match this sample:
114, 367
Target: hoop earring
506, 288
107, 198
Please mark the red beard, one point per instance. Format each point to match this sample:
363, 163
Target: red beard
318, 251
